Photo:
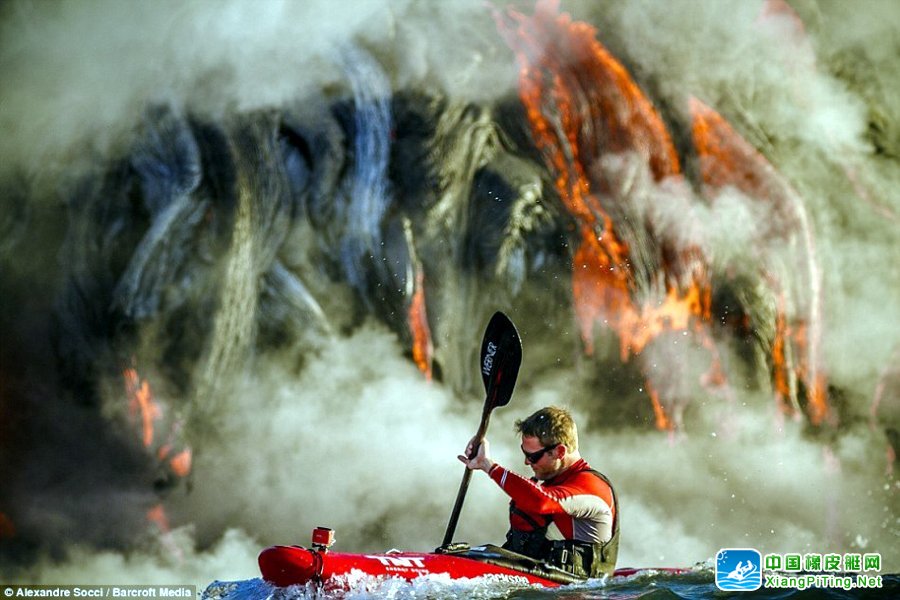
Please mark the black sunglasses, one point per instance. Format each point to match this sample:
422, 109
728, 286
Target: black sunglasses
534, 457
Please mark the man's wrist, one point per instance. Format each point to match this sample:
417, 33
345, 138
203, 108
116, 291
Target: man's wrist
491, 467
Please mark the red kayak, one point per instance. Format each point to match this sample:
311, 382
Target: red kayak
293, 565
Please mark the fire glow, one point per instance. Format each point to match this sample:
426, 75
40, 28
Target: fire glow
726, 159
418, 324
581, 103
146, 413
141, 406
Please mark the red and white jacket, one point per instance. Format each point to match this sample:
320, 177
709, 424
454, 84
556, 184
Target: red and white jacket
575, 505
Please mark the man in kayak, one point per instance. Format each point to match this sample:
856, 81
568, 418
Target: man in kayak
567, 514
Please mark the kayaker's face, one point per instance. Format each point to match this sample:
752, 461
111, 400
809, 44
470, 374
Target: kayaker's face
549, 463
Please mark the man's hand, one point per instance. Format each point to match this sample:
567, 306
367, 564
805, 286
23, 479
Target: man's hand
482, 459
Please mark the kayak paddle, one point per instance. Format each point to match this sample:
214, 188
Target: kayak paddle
501, 355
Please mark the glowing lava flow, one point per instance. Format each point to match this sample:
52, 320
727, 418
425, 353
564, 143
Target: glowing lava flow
726, 159
417, 313
422, 349
143, 409
141, 404
581, 103
146, 412
157, 516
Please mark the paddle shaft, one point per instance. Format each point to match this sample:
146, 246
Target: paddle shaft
467, 476
501, 356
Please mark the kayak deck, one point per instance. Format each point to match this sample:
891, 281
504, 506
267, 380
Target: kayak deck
293, 565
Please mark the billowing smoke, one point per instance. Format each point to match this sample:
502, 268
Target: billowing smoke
225, 224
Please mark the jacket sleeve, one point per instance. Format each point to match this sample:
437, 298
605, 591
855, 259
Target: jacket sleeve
580, 497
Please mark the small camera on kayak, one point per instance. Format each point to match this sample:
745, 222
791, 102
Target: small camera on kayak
322, 538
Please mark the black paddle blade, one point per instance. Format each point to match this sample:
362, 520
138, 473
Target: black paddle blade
501, 355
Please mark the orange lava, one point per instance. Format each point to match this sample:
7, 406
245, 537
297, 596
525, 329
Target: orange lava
179, 463
141, 404
781, 371
662, 421
726, 159
157, 516
144, 409
581, 103
422, 348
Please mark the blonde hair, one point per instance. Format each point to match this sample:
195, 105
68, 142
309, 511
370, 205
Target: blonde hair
551, 425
